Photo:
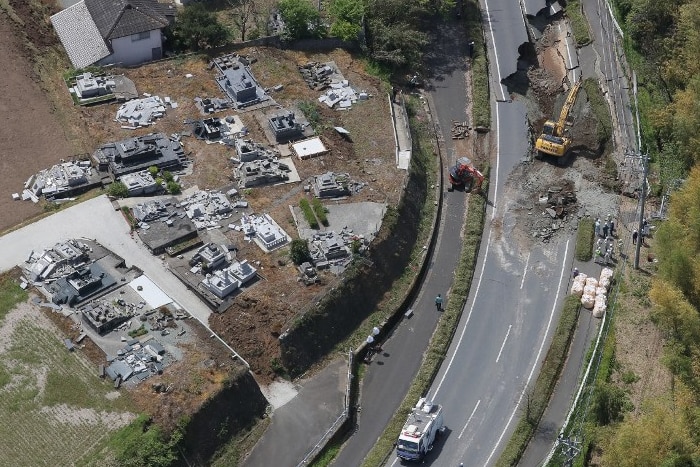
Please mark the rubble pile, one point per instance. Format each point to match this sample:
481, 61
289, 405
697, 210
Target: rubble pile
264, 171
211, 105
558, 206
207, 208
141, 112
460, 130
325, 76
60, 181
317, 75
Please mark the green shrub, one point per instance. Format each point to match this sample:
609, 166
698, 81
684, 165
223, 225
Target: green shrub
143, 444
308, 213
320, 211
299, 251
173, 188
118, 190
584, 239
153, 170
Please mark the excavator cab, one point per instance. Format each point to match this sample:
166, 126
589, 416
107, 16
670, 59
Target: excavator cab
552, 141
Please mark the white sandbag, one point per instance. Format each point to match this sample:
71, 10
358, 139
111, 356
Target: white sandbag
600, 291
604, 282
577, 289
589, 290
598, 312
592, 281
606, 272
587, 301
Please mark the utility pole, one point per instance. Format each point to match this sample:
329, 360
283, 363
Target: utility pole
642, 200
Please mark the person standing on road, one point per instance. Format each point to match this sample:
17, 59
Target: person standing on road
634, 237
438, 302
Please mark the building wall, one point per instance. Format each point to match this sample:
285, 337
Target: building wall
129, 51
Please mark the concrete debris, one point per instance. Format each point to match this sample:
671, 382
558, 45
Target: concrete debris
318, 75
141, 112
335, 185
248, 150
460, 130
331, 250
61, 181
325, 76
215, 130
265, 171
207, 209
138, 360
211, 105
558, 206
88, 88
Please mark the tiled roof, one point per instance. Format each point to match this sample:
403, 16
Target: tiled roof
79, 35
119, 18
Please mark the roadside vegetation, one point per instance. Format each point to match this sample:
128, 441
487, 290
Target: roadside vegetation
584, 239
481, 109
600, 110
579, 23
10, 294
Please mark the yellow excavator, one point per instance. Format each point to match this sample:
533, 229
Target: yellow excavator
553, 140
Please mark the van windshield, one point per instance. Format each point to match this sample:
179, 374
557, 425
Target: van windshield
409, 446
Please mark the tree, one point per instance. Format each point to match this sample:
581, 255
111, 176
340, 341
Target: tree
299, 251
242, 11
118, 190
347, 16
395, 36
301, 19
197, 29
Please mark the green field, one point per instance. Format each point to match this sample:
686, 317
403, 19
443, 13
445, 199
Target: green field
54, 408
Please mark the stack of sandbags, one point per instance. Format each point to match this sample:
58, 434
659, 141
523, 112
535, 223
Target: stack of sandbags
588, 297
578, 284
606, 278
601, 297
599, 306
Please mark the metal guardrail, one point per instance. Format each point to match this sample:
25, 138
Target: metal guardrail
311, 455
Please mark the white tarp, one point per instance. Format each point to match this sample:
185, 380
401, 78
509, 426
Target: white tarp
150, 292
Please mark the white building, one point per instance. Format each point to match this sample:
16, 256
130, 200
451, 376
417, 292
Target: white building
103, 32
265, 231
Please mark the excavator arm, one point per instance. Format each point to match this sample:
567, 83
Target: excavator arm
552, 140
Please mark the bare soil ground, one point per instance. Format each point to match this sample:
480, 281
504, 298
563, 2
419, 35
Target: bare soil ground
30, 137
578, 173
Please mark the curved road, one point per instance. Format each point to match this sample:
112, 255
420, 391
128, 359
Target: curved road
507, 323
515, 298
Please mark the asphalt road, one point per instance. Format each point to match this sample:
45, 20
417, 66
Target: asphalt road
515, 298
390, 374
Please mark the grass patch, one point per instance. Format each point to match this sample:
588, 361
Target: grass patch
70, 415
308, 212
440, 342
10, 295
600, 110
579, 24
481, 108
310, 110
320, 211
584, 239
138, 332
537, 397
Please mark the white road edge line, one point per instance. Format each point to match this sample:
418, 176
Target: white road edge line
469, 315
527, 261
396, 459
488, 241
504, 343
469, 419
493, 41
537, 359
